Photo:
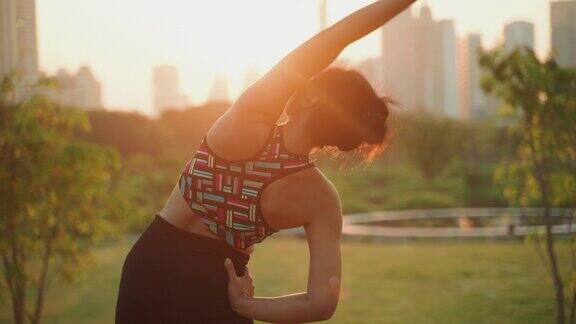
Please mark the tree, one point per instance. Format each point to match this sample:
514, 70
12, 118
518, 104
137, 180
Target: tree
129, 133
485, 144
51, 199
541, 98
430, 142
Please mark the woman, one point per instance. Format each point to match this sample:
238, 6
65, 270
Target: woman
250, 178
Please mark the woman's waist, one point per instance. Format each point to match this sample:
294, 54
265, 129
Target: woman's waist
192, 226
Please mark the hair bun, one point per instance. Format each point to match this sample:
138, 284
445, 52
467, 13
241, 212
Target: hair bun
375, 127
349, 146
348, 115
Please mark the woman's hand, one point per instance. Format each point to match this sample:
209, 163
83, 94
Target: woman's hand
239, 288
249, 249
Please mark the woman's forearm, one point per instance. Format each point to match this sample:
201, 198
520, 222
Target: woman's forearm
295, 308
320, 300
321, 50
295, 70
368, 19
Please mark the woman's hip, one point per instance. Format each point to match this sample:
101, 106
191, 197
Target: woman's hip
176, 277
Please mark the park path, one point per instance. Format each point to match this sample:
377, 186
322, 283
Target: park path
510, 223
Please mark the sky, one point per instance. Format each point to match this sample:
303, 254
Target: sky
122, 40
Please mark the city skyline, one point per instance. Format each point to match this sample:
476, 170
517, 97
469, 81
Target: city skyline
122, 53
420, 63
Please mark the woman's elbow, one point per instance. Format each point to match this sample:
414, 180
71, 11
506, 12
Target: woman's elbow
323, 309
328, 311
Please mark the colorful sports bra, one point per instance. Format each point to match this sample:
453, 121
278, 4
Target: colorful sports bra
225, 194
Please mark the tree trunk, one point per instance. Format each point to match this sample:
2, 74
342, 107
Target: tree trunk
18, 304
573, 309
572, 318
539, 166
18, 281
14, 258
556, 279
550, 251
41, 289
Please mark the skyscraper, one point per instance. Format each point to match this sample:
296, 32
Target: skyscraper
399, 60
447, 100
18, 48
250, 76
219, 91
563, 18
518, 34
8, 42
79, 90
323, 11
472, 96
425, 69
419, 62
26, 35
474, 102
166, 86
371, 69
88, 89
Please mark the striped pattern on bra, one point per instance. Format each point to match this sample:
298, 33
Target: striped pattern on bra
225, 194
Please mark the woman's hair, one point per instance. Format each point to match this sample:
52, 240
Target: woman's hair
345, 112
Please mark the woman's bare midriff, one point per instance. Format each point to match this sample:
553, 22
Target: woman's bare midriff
177, 213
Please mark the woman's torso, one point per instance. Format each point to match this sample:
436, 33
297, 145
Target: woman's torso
284, 202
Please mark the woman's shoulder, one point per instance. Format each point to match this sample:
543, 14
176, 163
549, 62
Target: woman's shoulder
294, 200
236, 137
328, 193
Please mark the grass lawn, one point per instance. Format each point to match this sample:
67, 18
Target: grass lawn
412, 282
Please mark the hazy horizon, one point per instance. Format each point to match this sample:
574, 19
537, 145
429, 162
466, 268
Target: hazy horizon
122, 40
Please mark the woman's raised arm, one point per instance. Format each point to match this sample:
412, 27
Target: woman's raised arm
268, 96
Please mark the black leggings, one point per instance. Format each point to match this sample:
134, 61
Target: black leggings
173, 276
